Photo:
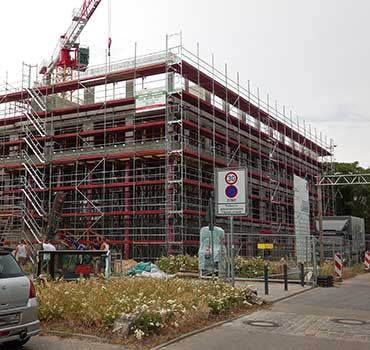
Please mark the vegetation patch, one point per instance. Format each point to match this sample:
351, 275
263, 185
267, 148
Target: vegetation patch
244, 267
348, 271
146, 308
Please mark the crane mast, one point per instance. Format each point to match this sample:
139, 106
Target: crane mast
71, 56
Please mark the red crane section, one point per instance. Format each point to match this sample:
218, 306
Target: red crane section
70, 55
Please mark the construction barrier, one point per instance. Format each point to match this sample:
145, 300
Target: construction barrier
338, 264
367, 261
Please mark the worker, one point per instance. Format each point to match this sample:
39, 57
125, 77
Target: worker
96, 259
105, 247
22, 253
48, 246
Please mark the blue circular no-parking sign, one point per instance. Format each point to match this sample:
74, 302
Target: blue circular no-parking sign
231, 191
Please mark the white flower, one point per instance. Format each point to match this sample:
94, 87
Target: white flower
139, 334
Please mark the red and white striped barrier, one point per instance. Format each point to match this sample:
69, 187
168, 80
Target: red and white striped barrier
367, 261
338, 264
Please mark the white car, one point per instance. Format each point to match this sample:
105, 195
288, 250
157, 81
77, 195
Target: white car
18, 303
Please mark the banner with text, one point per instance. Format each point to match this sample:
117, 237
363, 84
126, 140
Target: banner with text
302, 219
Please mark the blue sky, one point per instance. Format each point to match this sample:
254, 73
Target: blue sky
311, 56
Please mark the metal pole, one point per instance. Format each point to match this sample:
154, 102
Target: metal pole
211, 228
228, 275
321, 233
314, 262
285, 277
302, 274
266, 277
232, 251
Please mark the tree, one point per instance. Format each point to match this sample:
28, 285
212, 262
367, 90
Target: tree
353, 200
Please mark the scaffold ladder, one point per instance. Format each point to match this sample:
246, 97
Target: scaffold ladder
33, 185
174, 218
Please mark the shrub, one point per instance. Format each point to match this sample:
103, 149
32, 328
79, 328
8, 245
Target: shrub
244, 267
176, 263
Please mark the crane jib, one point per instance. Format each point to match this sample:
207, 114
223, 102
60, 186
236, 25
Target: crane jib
79, 23
69, 39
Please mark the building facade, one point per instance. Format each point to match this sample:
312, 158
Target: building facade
133, 147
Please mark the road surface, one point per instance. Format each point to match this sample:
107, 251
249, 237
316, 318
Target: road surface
321, 319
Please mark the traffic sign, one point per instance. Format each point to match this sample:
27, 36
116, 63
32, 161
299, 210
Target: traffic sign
231, 192
231, 177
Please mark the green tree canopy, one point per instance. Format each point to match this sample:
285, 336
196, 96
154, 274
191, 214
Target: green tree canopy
353, 199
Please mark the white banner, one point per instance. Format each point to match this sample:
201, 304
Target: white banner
302, 219
150, 99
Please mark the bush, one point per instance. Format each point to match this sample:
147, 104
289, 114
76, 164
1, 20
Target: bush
244, 267
349, 271
176, 263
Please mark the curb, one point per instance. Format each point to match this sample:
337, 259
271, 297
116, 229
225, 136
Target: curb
187, 335
293, 295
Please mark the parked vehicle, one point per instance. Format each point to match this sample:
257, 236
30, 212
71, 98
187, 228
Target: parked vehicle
18, 303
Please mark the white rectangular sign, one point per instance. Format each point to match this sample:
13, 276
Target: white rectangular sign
302, 219
231, 192
150, 99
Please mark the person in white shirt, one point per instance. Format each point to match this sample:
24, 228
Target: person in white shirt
22, 253
105, 247
47, 246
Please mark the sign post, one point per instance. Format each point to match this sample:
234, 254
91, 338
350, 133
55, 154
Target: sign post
231, 200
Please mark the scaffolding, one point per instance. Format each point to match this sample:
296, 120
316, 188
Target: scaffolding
133, 145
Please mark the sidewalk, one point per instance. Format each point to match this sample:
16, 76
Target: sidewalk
322, 319
276, 290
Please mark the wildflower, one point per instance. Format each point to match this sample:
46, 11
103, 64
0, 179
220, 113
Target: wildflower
138, 334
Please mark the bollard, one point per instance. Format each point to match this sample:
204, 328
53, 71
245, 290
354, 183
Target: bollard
302, 274
367, 261
266, 276
338, 266
285, 277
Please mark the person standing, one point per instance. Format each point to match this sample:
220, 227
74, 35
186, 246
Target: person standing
48, 246
104, 264
22, 253
104, 245
96, 259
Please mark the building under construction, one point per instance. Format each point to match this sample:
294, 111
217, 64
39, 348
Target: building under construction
133, 146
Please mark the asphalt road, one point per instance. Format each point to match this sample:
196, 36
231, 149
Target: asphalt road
321, 319
317, 319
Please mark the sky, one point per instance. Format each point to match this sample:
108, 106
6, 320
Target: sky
312, 56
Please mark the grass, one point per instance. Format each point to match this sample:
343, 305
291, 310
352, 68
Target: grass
157, 308
349, 271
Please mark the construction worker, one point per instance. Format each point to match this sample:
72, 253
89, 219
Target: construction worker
48, 246
96, 259
105, 247
22, 253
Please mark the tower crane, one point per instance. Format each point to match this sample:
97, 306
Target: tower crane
69, 55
